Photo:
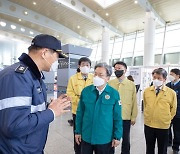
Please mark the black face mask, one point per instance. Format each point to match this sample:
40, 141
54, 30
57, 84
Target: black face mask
119, 73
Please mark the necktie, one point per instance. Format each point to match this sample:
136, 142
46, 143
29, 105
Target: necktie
97, 94
85, 78
157, 91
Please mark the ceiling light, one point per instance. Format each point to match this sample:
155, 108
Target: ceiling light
20, 20
3, 24
13, 26
31, 32
57, 36
25, 12
22, 29
135, 2
107, 14
78, 27
34, 3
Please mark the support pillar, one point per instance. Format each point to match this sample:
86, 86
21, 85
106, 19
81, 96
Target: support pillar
105, 46
149, 40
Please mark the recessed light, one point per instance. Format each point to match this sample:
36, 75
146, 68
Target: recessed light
25, 12
78, 27
20, 20
107, 14
135, 2
57, 36
34, 3
22, 29
13, 26
3, 24
31, 32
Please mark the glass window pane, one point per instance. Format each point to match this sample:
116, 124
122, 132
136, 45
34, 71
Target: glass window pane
139, 44
93, 53
172, 38
138, 61
157, 59
159, 40
127, 61
128, 46
117, 48
172, 58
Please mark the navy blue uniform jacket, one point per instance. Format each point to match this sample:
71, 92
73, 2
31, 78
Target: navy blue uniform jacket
176, 88
24, 117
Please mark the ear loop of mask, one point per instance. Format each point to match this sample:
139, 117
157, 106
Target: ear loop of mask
49, 62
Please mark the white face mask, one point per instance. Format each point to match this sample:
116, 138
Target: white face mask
54, 66
85, 69
171, 78
97, 81
157, 83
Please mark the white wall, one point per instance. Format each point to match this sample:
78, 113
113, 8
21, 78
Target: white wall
11, 49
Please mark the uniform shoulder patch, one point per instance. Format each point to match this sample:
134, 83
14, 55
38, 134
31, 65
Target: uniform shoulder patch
21, 69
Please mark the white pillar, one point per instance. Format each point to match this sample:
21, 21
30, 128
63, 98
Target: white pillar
105, 46
149, 39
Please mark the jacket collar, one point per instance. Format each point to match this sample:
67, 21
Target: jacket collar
164, 88
79, 75
26, 59
107, 89
123, 81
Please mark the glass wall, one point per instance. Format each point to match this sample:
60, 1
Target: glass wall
132, 45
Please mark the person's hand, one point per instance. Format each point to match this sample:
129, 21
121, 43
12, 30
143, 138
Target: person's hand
115, 143
133, 122
59, 105
78, 138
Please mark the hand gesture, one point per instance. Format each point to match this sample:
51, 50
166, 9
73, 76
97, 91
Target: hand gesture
59, 105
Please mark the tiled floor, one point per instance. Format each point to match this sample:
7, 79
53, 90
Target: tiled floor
60, 138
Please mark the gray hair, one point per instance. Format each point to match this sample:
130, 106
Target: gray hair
106, 66
162, 72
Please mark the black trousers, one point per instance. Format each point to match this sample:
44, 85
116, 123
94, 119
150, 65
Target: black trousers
125, 148
153, 134
77, 148
170, 135
87, 148
176, 131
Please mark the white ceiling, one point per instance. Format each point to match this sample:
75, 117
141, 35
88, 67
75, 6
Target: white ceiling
76, 26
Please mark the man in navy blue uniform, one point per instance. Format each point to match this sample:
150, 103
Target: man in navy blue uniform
174, 77
24, 112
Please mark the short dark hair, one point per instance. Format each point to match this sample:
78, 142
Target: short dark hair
161, 71
120, 63
106, 66
154, 71
33, 47
175, 71
85, 59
